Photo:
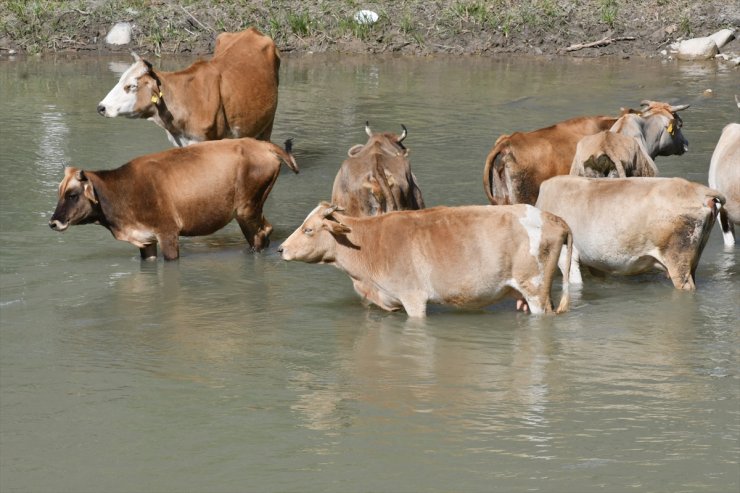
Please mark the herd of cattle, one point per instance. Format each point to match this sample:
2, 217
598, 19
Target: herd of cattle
616, 217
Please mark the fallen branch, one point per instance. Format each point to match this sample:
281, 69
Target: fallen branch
602, 42
197, 21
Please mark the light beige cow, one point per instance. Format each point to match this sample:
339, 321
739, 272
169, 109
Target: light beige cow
467, 256
633, 225
724, 175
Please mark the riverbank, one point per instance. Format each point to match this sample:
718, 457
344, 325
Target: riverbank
584, 28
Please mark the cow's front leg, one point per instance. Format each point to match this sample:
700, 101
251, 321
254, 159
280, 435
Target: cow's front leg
170, 246
415, 306
149, 252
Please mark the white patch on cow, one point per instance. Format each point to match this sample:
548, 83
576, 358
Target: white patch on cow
137, 237
532, 223
119, 101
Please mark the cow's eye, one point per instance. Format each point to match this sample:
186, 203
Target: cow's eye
129, 88
73, 196
308, 231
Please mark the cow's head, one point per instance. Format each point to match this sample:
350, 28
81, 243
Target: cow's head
137, 93
663, 128
315, 241
390, 143
77, 203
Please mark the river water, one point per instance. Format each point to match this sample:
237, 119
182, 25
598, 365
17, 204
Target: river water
231, 371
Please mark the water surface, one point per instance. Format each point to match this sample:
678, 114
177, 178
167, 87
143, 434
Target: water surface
233, 371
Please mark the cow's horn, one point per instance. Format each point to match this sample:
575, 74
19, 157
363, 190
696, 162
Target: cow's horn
367, 129
332, 209
679, 107
137, 58
403, 135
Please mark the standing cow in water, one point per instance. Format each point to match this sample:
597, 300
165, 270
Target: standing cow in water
724, 175
376, 177
467, 256
193, 191
629, 147
232, 95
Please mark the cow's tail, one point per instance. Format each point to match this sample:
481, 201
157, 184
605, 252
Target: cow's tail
385, 186
494, 173
565, 297
286, 155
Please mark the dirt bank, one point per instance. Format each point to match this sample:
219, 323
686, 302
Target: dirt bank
419, 27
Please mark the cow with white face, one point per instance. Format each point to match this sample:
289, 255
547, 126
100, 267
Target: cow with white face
724, 175
232, 95
467, 256
632, 225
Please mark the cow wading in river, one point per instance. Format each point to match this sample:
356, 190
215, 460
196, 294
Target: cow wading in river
629, 147
376, 177
232, 95
193, 191
724, 175
468, 256
633, 225
520, 162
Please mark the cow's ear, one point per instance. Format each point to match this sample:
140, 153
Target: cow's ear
87, 187
335, 227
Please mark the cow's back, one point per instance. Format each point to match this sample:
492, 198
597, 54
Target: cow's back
249, 64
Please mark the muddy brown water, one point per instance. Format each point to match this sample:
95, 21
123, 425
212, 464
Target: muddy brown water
233, 371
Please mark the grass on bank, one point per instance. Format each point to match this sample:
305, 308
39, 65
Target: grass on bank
168, 26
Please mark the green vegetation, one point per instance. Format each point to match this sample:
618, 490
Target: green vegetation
169, 26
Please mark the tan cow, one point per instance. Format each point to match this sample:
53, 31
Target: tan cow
376, 177
629, 147
724, 175
232, 95
520, 162
193, 191
633, 225
467, 256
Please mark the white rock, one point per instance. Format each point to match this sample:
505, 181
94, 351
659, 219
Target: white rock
723, 37
366, 17
697, 49
120, 34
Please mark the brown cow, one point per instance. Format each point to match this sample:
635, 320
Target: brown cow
520, 162
632, 225
376, 177
193, 191
232, 95
467, 256
629, 147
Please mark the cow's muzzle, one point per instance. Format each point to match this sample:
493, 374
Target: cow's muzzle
101, 110
58, 225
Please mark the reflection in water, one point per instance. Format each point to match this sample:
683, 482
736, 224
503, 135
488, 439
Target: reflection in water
51, 152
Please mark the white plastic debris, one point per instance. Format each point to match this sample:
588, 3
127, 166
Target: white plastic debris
366, 17
120, 34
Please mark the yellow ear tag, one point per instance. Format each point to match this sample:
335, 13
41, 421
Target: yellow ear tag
155, 98
670, 128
